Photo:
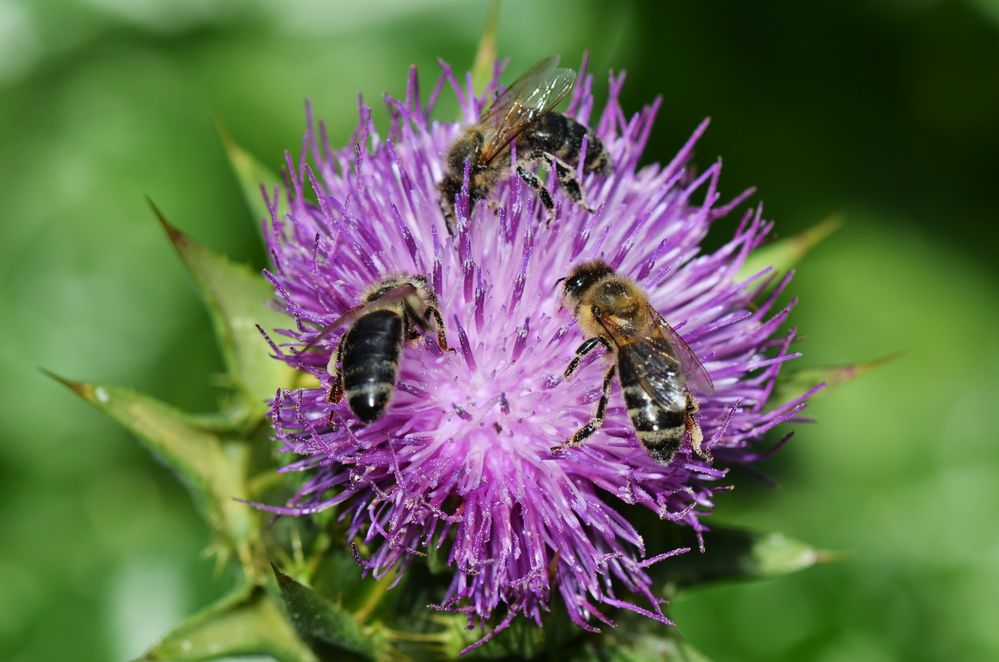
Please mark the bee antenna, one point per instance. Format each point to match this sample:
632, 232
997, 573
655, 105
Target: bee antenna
560, 280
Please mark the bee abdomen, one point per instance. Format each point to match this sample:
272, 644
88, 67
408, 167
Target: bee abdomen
562, 136
660, 430
557, 134
371, 362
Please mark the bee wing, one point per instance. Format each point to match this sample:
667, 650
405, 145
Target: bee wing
391, 295
536, 92
658, 371
693, 370
651, 356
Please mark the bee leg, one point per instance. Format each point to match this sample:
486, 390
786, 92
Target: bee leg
594, 423
449, 220
439, 322
336, 386
567, 179
553, 566
414, 323
694, 430
415, 320
535, 183
583, 350
447, 205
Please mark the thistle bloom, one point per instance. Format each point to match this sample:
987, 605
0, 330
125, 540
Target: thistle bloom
460, 462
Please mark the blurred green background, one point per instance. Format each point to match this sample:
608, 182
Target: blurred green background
885, 112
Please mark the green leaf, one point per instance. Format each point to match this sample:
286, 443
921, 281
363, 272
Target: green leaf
252, 175
247, 622
732, 554
340, 578
485, 56
238, 299
437, 559
213, 471
792, 381
784, 254
636, 639
233, 419
523, 639
320, 621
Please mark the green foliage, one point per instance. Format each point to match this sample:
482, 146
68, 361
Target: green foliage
636, 639
239, 301
794, 381
783, 254
254, 179
322, 622
247, 622
213, 470
732, 555
523, 639
486, 55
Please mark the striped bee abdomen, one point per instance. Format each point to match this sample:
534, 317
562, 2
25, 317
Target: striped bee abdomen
562, 136
659, 426
370, 366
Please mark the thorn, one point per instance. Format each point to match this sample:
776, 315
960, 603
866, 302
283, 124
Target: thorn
177, 238
77, 387
856, 370
485, 54
831, 556
223, 131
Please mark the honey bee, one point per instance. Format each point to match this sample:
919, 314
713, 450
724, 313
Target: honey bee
365, 365
656, 368
523, 112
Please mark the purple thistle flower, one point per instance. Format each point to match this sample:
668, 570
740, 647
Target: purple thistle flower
460, 461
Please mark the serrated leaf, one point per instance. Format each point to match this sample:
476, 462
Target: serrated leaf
213, 471
732, 554
238, 299
339, 578
320, 620
792, 381
247, 622
485, 55
253, 178
784, 254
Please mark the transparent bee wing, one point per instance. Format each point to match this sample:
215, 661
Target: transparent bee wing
520, 88
516, 108
333, 326
694, 373
658, 371
657, 366
390, 295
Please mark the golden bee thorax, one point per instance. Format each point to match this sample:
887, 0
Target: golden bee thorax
614, 299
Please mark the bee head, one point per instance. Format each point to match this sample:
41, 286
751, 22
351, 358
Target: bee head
582, 278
